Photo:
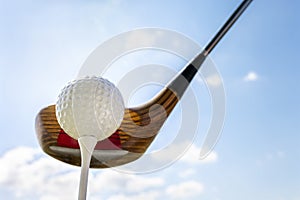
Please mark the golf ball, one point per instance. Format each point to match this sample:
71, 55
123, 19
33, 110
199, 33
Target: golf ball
92, 106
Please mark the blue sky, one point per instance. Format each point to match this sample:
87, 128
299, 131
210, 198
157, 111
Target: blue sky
44, 43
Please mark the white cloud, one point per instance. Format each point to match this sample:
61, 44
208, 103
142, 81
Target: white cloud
280, 154
251, 76
211, 158
275, 155
185, 190
214, 80
187, 173
270, 157
151, 195
28, 173
116, 181
192, 156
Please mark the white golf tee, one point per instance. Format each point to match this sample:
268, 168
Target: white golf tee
87, 145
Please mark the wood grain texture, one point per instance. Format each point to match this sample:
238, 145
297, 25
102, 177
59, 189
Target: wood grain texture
138, 129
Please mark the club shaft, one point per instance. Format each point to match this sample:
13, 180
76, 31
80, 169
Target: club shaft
183, 79
223, 30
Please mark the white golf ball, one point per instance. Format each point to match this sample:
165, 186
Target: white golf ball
92, 106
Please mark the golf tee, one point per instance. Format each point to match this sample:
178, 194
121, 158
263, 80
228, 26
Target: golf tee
87, 145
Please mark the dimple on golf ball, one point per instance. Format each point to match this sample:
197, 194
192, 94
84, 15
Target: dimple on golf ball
92, 106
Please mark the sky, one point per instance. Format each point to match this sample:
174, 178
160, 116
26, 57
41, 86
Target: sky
44, 43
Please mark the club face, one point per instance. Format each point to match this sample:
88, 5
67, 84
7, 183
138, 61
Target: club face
138, 129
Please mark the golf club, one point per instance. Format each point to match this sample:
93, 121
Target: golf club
140, 124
